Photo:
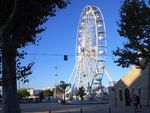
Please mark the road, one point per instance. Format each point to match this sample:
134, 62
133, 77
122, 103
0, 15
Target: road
90, 108
58, 108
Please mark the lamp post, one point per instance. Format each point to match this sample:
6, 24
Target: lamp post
56, 75
56, 79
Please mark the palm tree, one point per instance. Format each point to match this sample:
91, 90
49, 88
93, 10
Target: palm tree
81, 92
61, 88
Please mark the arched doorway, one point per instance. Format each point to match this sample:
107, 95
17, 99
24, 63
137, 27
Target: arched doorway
127, 97
133, 92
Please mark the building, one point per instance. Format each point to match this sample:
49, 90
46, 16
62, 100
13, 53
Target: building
34, 92
135, 82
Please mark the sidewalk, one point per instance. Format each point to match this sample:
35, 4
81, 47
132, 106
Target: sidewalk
129, 109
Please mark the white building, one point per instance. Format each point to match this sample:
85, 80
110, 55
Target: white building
34, 92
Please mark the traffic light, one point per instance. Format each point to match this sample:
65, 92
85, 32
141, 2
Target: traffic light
65, 57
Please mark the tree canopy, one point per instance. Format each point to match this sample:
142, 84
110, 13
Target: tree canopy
23, 93
47, 93
81, 92
134, 25
20, 23
22, 19
61, 87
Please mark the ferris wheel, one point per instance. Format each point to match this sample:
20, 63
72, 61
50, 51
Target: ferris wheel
90, 63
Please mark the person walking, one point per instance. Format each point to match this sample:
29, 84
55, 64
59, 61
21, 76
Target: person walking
135, 103
138, 102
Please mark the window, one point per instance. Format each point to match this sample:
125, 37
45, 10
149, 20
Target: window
139, 91
133, 92
120, 95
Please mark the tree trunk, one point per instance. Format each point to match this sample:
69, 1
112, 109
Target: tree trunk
64, 97
81, 97
10, 98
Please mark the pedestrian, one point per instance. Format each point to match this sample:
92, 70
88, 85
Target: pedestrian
135, 101
138, 102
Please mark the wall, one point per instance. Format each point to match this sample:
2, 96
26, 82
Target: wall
135, 80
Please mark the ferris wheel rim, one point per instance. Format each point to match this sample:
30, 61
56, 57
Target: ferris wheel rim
103, 24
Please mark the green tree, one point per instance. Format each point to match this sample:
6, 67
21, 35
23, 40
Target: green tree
41, 95
23, 93
47, 93
81, 92
61, 87
20, 22
134, 25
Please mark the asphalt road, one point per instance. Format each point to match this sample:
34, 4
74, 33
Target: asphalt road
58, 108
90, 108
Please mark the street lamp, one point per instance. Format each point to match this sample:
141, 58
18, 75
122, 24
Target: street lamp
56, 75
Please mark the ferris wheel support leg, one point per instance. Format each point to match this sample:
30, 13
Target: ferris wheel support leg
110, 78
89, 89
73, 72
101, 88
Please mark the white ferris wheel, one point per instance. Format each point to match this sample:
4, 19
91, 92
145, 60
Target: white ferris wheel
90, 52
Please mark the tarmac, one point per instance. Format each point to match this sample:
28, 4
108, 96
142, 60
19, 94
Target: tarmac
89, 108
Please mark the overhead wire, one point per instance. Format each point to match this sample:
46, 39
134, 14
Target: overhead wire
54, 54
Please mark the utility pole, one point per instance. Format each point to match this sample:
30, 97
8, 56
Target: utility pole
56, 75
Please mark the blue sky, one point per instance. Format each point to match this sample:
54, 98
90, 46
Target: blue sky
60, 39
